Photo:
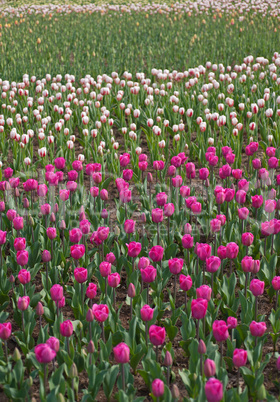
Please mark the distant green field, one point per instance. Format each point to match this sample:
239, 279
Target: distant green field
101, 40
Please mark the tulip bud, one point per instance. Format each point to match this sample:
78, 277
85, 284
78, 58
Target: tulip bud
30, 382
201, 347
12, 279
209, 368
16, 192
30, 221
149, 177
207, 183
80, 325
90, 347
168, 359
16, 355
131, 290
117, 231
143, 217
261, 393
25, 203
175, 392
52, 218
55, 209
73, 372
90, 315
60, 398
39, 309
62, 225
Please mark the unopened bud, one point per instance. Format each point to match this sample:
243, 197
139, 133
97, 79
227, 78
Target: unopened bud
30, 381
80, 325
104, 214
55, 208
12, 279
62, 225
149, 177
39, 309
175, 392
25, 203
209, 368
207, 184
131, 290
73, 372
52, 218
90, 347
201, 347
82, 216
30, 221
168, 359
16, 355
60, 398
143, 217
187, 228
16, 192
117, 231
90, 315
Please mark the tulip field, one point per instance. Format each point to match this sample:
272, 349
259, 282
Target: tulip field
139, 202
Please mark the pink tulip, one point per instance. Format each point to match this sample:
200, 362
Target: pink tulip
24, 276
231, 322
101, 312
75, 235
80, 274
146, 313
243, 213
213, 263
103, 233
84, 226
44, 353
66, 328
257, 328
125, 196
276, 283
114, 280
175, 265
53, 343
105, 269
214, 390
23, 303
158, 388
22, 257
91, 291
77, 251
209, 368
247, 264
222, 252
110, 257
257, 287
204, 292
257, 201
247, 239
18, 223
51, 233
168, 209
56, 292
161, 199
239, 357
157, 335
156, 253
232, 250
129, 226
220, 330
240, 196
185, 282
157, 215
203, 251
3, 237
199, 308
5, 331
187, 241
121, 353
134, 249
148, 274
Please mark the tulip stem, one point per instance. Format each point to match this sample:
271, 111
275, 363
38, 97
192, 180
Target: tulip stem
158, 233
221, 361
186, 302
156, 353
131, 308
146, 332
82, 298
67, 345
105, 287
47, 276
276, 302
52, 249
123, 376
238, 377
175, 280
212, 283
22, 320
168, 228
246, 284
264, 247
102, 332
45, 378
256, 308
197, 330
168, 376
147, 293
114, 299
272, 241
201, 365
1, 257
230, 272
6, 350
